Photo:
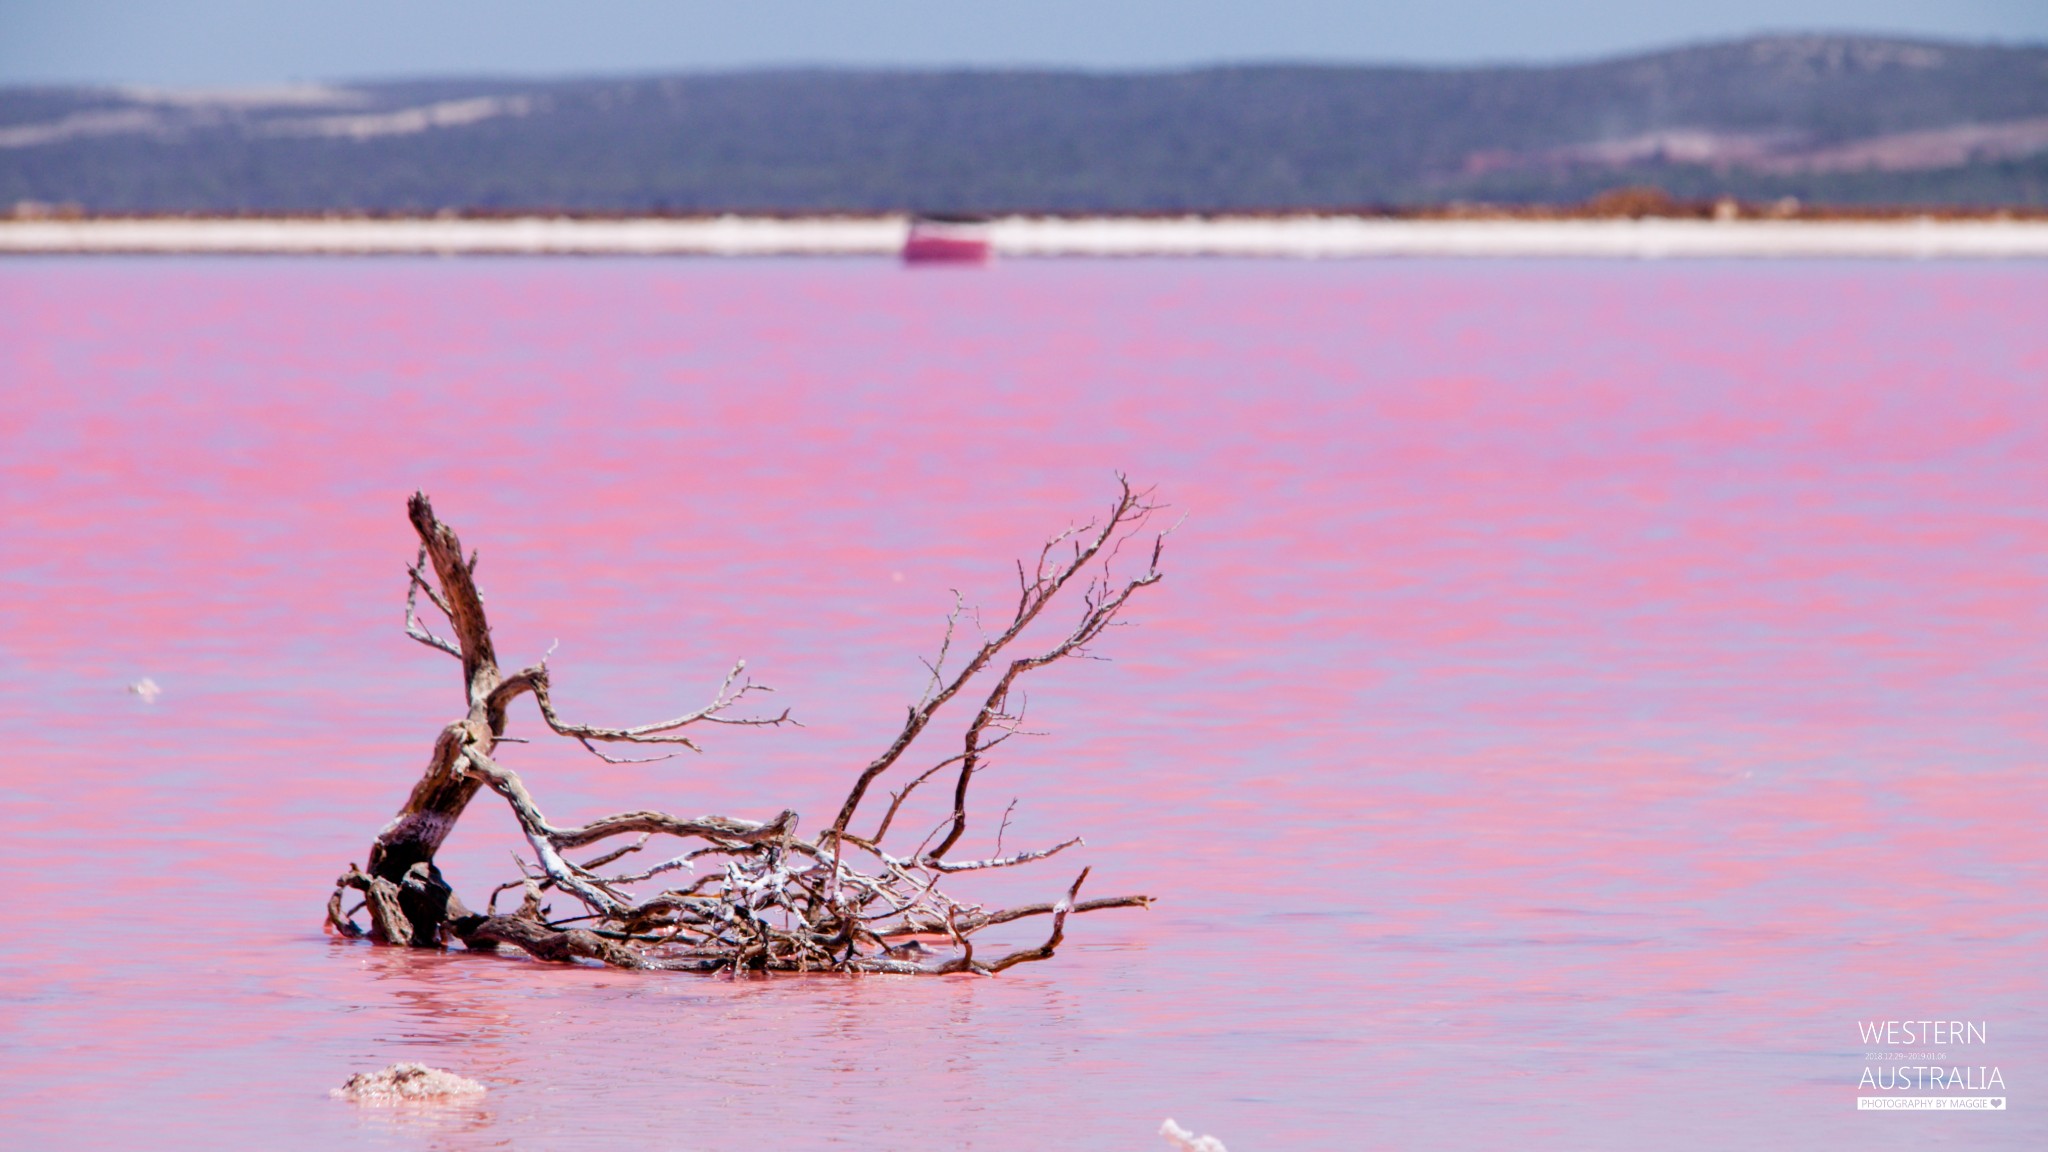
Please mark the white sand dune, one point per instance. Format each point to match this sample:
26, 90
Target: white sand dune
1284, 236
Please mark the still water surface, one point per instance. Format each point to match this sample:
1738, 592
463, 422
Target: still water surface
1580, 693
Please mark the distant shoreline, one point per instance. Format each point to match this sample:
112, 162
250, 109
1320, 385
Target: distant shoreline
1306, 236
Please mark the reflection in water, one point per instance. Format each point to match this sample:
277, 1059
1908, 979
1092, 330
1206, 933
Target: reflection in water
1579, 695
465, 1120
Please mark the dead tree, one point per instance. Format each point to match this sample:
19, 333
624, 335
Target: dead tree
765, 898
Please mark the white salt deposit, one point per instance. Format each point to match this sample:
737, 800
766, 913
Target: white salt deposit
1019, 236
406, 1081
1183, 1140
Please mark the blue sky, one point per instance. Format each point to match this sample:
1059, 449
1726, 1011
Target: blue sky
240, 42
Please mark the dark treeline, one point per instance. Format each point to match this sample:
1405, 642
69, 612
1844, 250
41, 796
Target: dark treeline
1827, 119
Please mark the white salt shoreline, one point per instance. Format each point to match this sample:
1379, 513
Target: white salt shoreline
1020, 236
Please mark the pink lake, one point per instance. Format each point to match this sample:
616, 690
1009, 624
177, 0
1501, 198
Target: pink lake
1580, 692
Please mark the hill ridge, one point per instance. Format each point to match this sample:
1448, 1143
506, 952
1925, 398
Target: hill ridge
1845, 118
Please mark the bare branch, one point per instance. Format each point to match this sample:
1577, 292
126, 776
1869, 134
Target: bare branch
1034, 593
1059, 931
897, 798
1101, 608
616, 854
680, 863
458, 596
938, 666
413, 627
422, 584
1005, 825
535, 680
975, 922
938, 865
718, 828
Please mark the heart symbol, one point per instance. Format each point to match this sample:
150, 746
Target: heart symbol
1998, 1101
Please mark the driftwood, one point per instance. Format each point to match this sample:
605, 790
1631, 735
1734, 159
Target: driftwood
766, 899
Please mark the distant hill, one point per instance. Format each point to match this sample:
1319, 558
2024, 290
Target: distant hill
1825, 118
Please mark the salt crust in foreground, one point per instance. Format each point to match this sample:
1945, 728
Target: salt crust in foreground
406, 1082
1183, 1140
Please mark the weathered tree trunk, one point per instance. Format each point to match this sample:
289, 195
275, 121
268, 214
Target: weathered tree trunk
403, 854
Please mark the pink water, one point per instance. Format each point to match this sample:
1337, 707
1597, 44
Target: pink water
1580, 692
